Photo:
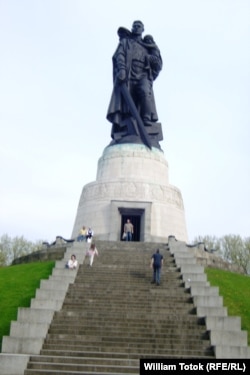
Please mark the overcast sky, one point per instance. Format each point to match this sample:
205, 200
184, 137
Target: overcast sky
55, 87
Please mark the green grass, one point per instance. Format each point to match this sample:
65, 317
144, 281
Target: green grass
18, 285
235, 290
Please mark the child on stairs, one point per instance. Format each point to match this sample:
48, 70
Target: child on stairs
91, 253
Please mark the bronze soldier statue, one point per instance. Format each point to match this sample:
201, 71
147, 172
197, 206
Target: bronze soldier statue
132, 111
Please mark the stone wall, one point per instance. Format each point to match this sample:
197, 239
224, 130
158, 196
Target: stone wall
48, 253
208, 259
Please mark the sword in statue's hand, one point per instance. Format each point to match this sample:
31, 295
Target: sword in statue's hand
131, 105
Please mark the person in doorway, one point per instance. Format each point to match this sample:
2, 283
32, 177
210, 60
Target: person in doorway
128, 230
156, 264
72, 263
91, 253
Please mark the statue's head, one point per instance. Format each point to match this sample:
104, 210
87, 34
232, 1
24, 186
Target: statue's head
137, 28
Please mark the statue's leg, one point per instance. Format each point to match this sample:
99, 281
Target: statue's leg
146, 99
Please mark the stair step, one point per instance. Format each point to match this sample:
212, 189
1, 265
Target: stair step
197, 349
133, 355
81, 368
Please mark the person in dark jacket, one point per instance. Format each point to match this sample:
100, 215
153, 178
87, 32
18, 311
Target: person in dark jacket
156, 264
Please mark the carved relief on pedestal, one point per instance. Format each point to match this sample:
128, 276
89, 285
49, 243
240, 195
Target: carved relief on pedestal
132, 190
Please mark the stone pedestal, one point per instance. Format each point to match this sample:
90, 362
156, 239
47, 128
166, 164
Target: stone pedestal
132, 182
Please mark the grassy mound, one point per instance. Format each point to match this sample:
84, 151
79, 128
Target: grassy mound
18, 285
235, 290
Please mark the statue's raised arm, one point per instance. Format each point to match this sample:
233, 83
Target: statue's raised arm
132, 111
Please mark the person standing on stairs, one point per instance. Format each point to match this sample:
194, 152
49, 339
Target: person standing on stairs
91, 253
156, 264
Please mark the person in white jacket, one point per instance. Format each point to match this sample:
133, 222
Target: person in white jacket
72, 263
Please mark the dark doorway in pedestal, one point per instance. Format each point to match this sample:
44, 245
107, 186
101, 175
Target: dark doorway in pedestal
134, 215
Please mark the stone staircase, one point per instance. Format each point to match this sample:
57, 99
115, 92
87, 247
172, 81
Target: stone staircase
226, 336
103, 319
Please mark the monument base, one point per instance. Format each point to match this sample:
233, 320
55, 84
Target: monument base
132, 182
